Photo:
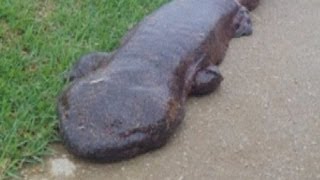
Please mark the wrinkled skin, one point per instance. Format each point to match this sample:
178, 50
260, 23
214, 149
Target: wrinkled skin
128, 102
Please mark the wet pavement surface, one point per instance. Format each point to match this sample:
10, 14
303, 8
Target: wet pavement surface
262, 123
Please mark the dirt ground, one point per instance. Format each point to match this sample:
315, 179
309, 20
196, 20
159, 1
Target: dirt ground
262, 123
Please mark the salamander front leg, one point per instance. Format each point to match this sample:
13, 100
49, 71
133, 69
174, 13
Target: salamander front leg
206, 81
87, 64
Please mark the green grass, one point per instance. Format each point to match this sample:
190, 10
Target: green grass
39, 41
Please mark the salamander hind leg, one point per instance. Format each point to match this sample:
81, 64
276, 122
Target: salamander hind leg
87, 64
242, 23
206, 81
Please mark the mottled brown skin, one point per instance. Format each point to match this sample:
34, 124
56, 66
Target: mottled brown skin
126, 103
